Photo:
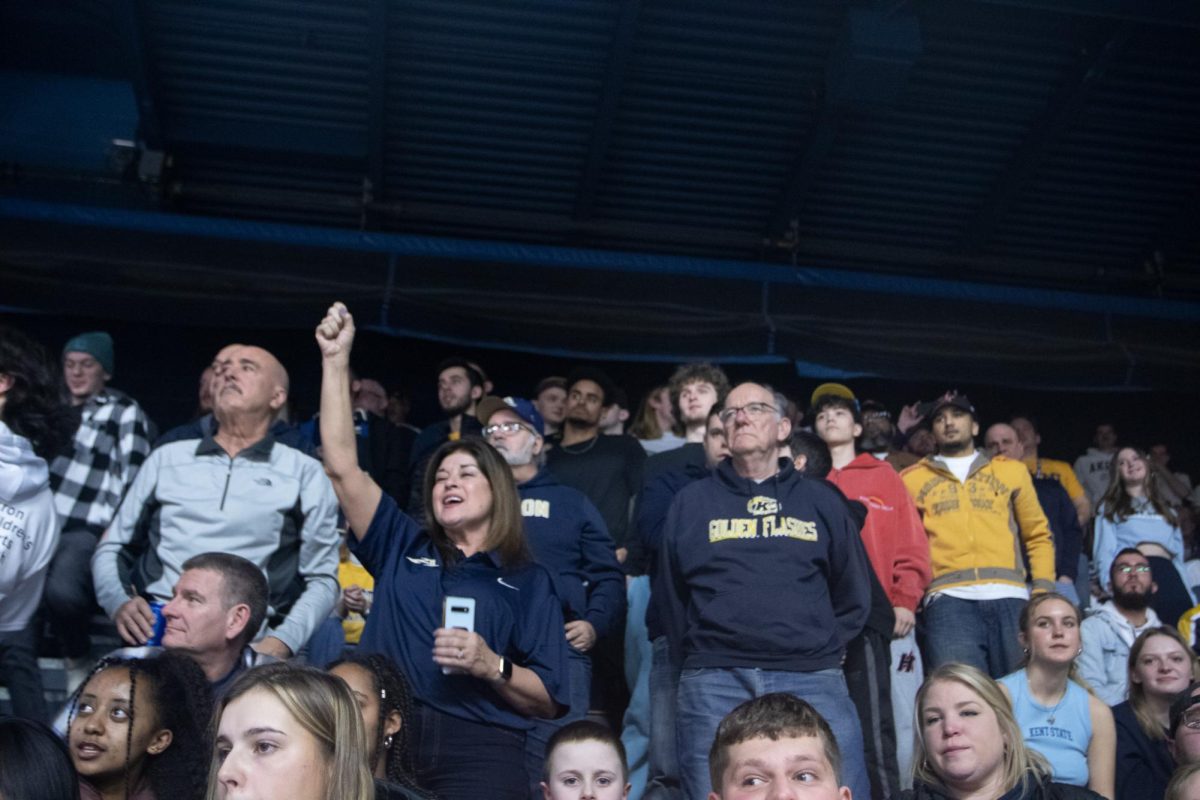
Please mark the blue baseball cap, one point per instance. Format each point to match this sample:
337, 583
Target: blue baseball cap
518, 405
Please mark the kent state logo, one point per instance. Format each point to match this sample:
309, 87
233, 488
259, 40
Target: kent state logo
762, 506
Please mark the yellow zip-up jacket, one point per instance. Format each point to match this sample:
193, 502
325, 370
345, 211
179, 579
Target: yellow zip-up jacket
976, 528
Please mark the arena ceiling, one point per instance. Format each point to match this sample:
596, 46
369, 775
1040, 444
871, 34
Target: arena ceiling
989, 190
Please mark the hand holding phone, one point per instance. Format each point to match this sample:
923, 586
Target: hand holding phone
458, 613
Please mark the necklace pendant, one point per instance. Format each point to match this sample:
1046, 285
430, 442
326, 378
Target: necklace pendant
1051, 719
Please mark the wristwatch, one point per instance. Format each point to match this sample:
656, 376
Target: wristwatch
505, 669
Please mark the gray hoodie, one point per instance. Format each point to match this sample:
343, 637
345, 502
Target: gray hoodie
1092, 469
28, 529
1107, 637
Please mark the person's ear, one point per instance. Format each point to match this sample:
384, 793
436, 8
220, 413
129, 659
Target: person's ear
785, 429
392, 723
801, 461
476, 393
625, 794
160, 742
844, 793
545, 791
1153, 587
539, 444
236, 620
278, 398
857, 430
974, 429
1023, 640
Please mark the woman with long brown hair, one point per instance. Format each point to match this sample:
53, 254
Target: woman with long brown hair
477, 689
1134, 513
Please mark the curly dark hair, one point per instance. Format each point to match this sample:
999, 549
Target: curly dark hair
181, 700
394, 695
34, 406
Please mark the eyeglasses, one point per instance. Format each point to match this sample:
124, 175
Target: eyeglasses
1140, 569
506, 428
1192, 719
753, 410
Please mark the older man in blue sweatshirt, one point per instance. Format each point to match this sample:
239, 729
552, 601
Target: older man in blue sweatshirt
567, 536
762, 582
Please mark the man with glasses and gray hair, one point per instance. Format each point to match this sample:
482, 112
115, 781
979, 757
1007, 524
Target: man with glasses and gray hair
568, 537
1109, 631
762, 582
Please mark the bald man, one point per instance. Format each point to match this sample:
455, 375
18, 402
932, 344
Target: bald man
232, 489
211, 381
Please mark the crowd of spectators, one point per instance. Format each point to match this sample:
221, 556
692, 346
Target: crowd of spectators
724, 592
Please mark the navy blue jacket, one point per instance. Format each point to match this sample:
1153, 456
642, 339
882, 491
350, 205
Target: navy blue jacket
770, 575
516, 613
653, 504
568, 537
1064, 525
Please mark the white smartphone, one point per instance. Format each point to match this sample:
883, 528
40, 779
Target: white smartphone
458, 612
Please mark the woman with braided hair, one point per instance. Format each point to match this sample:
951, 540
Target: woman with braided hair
385, 699
138, 729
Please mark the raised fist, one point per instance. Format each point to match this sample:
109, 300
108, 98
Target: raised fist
335, 334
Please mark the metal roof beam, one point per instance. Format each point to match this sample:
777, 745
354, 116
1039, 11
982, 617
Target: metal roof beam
1173, 13
1171, 237
501, 222
377, 19
129, 16
1065, 105
269, 137
803, 172
606, 112
866, 73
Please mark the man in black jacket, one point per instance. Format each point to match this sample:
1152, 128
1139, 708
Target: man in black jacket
762, 582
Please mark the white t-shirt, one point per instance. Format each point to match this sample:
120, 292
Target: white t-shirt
959, 466
28, 529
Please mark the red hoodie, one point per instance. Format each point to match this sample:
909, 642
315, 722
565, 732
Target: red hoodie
893, 533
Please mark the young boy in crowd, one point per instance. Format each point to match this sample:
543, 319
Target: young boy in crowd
776, 745
585, 760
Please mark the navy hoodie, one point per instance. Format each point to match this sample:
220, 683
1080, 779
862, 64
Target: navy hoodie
770, 575
568, 537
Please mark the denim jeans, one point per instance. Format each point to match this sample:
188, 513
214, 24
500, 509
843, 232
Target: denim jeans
69, 597
707, 695
461, 760
19, 672
662, 781
638, 722
579, 667
982, 633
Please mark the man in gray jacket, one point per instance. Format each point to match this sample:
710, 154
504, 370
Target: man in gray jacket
1109, 631
237, 491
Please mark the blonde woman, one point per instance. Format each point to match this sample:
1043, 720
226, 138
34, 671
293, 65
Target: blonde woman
1185, 783
1058, 715
287, 732
1160, 667
968, 745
